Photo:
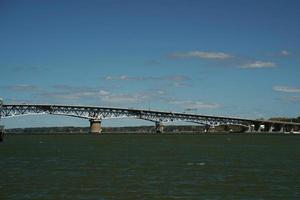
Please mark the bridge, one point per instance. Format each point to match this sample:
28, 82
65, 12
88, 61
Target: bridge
96, 114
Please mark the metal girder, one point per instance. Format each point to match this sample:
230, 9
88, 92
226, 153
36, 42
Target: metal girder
98, 113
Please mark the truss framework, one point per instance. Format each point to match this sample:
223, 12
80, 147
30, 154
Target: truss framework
99, 113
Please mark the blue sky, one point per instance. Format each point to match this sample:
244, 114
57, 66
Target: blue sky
233, 58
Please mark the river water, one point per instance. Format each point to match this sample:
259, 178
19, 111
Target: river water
150, 167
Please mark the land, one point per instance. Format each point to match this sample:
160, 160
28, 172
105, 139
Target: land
124, 130
285, 119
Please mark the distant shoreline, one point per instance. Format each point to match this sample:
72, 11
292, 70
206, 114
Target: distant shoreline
137, 130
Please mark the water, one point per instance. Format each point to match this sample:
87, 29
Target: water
150, 167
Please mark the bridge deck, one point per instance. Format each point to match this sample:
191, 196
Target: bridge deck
95, 112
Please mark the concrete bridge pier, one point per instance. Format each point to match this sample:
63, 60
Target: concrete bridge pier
95, 126
291, 129
281, 129
269, 128
278, 128
159, 127
257, 127
250, 128
288, 128
206, 129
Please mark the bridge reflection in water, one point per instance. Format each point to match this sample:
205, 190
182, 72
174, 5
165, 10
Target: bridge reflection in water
95, 114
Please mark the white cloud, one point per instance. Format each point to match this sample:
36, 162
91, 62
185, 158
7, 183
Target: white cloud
172, 80
121, 99
103, 93
259, 64
148, 78
92, 94
131, 98
194, 104
287, 89
285, 53
228, 59
293, 99
202, 54
69, 95
152, 62
108, 78
72, 92
31, 69
21, 88
79, 94
124, 78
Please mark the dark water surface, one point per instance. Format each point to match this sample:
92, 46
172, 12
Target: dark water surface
150, 167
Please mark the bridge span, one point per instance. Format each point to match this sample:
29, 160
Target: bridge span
96, 114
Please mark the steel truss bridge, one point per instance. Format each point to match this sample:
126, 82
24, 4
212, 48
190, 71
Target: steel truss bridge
96, 114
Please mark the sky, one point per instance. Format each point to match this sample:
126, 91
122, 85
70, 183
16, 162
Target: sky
230, 58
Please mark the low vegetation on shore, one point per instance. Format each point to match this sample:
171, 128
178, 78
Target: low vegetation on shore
134, 129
